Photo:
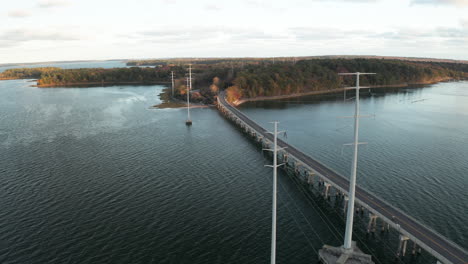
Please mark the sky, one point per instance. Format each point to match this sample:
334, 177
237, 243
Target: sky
61, 30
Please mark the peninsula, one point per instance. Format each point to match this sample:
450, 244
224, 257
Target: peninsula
246, 79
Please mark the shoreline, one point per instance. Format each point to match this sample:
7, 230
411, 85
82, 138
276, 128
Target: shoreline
179, 107
336, 90
94, 84
174, 103
84, 84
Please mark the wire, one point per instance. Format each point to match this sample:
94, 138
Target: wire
297, 208
315, 206
295, 220
306, 193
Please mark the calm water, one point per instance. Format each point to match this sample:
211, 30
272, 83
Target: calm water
92, 175
71, 65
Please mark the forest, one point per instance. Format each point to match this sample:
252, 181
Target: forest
318, 75
63, 77
25, 73
247, 78
268, 78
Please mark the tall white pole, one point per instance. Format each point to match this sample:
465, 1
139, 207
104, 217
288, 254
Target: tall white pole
189, 88
273, 216
190, 75
172, 78
352, 180
188, 101
275, 189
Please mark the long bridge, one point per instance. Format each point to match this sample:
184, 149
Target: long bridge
440, 247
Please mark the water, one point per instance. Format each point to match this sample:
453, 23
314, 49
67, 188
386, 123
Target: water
93, 175
71, 65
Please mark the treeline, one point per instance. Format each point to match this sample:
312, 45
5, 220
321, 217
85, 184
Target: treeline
58, 76
257, 60
26, 73
267, 78
246, 78
203, 61
321, 74
100, 75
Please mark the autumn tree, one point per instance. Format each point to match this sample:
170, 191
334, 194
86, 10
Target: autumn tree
233, 93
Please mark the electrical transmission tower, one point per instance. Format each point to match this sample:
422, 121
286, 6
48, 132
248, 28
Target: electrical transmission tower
349, 250
275, 188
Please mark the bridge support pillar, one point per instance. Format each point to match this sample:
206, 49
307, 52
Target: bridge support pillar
372, 223
339, 255
327, 190
402, 246
320, 182
345, 204
338, 194
359, 209
415, 249
310, 178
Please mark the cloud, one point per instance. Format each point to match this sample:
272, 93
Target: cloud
443, 39
413, 34
53, 3
173, 36
19, 13
316, 33
257, 3
464, 24
169, 2
212, 7
207, 33
349, 1
20, 36
461, 3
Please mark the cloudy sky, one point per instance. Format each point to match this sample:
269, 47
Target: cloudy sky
51, 30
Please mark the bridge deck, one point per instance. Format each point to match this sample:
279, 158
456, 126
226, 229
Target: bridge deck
434, 243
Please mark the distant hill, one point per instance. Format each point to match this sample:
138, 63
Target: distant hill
208, 60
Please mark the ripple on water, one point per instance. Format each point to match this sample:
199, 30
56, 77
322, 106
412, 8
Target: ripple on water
137, 186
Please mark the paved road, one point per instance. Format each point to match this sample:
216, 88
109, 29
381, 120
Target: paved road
428, 237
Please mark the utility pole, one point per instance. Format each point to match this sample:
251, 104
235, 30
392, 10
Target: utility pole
333, 255
352, 181
275, 188
189, 88
190, 76
172, 78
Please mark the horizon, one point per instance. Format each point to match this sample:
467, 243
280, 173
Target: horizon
65, 30
243, 57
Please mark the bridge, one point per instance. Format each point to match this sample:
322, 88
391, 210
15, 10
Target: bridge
440, 247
